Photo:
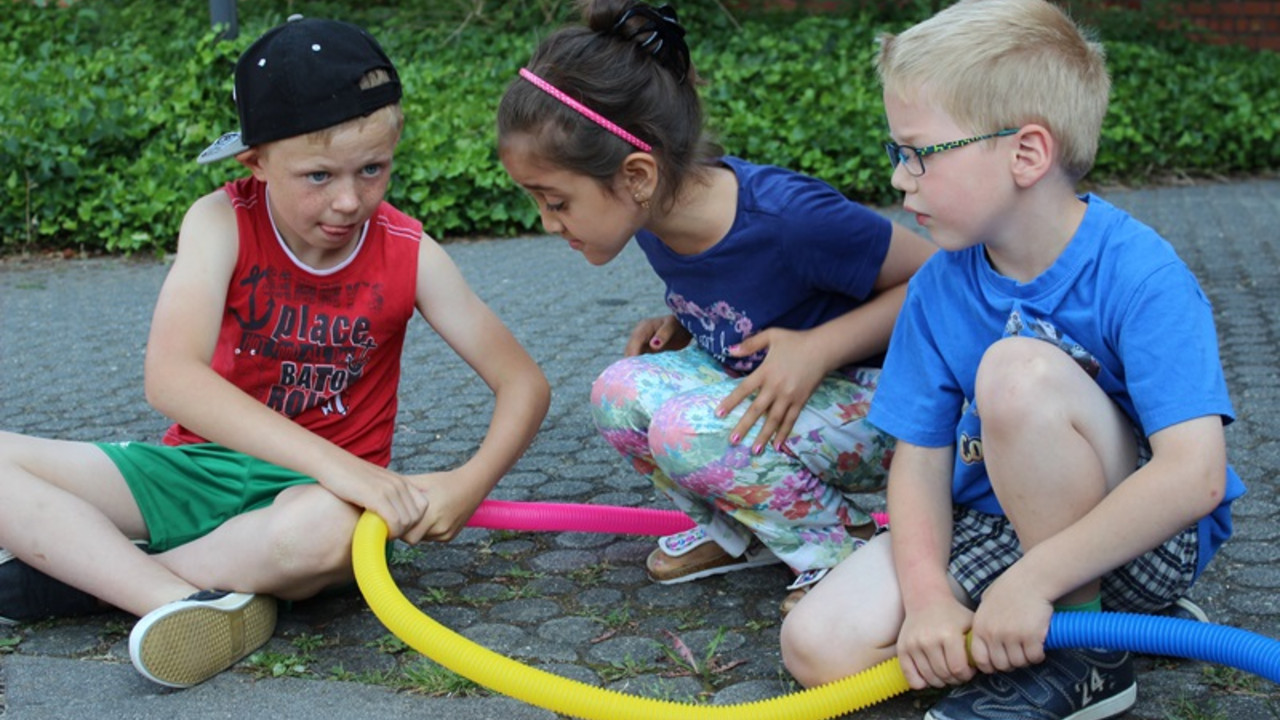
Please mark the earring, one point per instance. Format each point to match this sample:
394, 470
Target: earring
643, 203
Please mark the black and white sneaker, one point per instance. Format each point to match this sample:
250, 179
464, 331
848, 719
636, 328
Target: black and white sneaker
1186, 609
1068, 685
27, 595
189, 641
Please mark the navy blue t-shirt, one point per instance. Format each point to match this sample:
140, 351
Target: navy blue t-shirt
798, 254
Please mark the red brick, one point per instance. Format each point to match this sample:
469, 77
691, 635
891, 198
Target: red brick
1253, 23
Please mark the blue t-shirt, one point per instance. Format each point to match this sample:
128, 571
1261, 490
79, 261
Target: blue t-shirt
798, 254
1118, 299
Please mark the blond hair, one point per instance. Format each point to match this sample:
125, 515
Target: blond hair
994, 64
393, 113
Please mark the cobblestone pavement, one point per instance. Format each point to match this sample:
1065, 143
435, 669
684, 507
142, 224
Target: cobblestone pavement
72, 336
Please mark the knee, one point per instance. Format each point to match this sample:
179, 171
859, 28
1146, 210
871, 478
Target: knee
685, 435
618, 407
12, 446
1017, 381
8, 451
312, 536
615, 387
822, 640
807, 648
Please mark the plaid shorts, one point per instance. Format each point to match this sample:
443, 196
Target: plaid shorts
983, 546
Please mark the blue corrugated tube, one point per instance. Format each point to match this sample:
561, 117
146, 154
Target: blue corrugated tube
1173, 637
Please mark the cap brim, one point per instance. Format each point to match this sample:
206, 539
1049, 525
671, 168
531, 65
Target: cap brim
228, 145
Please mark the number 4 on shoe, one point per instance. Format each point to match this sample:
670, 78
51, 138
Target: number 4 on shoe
1071, 684
189, 641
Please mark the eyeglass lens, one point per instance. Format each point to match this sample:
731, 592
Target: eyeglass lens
906, 155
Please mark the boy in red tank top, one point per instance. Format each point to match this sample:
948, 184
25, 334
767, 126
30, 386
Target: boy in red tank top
275, 349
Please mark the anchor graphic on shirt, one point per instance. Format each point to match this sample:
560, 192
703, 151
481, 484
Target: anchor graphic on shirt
255, 321
357, 360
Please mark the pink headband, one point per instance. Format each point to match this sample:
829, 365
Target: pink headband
583, 110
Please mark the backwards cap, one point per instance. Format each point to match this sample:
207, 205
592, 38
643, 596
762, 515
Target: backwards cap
301, 77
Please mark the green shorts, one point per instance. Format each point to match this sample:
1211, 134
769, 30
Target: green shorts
185, 492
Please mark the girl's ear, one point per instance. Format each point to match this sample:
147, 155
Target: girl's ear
1034, 156
639, 175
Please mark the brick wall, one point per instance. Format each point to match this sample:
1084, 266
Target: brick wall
1252, 23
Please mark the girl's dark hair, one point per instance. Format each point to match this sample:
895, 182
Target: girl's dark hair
628, 62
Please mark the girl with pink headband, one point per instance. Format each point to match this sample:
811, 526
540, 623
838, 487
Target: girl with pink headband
746, 404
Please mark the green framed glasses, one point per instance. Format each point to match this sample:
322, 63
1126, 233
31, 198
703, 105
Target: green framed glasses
913, 157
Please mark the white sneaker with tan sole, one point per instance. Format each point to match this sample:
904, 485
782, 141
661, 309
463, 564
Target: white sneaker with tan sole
189, 641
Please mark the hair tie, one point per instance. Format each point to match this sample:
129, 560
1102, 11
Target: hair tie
664, 36
583, 110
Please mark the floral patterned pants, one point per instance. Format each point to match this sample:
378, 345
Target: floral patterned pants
658, 410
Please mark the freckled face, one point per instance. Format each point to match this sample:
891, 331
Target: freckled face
323, 190
596, 222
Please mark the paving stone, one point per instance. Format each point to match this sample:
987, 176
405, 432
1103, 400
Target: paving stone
525, 611
580, 604
573, 630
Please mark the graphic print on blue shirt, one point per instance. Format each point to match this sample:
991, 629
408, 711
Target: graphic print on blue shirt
797, 254
1045, 330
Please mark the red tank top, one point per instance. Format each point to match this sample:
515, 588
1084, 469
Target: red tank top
320, 347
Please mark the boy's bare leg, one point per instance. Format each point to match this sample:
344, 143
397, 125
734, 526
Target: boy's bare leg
66, 511
292, 549
1053, 442
848, 622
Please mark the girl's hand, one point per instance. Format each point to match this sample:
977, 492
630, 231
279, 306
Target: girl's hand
657, 334
782, 384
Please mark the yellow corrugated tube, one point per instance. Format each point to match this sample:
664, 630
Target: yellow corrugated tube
570, 697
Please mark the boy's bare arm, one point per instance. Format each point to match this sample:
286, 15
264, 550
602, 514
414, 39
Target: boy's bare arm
521, 392
931, 645
181, 383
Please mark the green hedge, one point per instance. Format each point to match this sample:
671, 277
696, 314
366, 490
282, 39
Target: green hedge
104, 106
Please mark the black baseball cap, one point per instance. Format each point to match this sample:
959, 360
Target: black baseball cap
301, 77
